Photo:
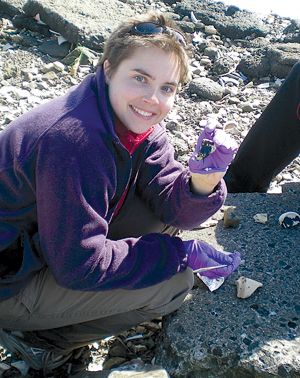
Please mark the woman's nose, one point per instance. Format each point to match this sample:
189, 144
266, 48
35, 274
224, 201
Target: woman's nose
151, 96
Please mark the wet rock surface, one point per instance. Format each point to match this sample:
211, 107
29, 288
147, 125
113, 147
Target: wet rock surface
239, 60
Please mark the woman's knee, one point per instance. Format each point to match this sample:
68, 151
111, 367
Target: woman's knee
172, 294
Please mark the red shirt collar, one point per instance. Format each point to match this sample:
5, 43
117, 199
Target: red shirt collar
129, 139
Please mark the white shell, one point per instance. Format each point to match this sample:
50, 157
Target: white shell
246, 287
231, 127
289, 219
193, 18
261, 218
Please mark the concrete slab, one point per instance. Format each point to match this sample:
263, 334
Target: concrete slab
88, 23
215, 334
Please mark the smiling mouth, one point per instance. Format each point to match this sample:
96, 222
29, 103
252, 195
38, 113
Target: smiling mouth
142, 112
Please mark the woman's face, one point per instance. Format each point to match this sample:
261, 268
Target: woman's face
143, 87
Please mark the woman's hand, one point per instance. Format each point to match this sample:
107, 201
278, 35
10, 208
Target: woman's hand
204, 185
209, 162
202, 255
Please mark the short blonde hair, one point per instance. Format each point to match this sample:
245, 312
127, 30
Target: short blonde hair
122, 45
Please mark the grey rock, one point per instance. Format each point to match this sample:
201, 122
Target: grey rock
292, 32
213, 52
88, 23
28, 76
135, 368
17, 38
223, 65
49, 75
246, 107
259, 42
52, 48
276, 59
10, 70
202, 46
255, 66
206, 88
233, 25
218, 335
187, 27
294, 37
12, 7
210, 30
29, 41
205, 107
173, 126
180, 146
113, 362
282, 57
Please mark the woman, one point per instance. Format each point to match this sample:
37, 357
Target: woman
91, 198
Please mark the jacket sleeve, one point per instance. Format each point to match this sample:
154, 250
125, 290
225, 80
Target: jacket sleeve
165, 185
74, 182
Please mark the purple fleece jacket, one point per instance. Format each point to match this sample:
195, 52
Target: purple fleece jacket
63, 171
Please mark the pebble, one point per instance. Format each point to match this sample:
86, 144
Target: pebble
230, 218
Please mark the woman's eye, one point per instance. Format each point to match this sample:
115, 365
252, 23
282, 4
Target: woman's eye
167, 89
141, 79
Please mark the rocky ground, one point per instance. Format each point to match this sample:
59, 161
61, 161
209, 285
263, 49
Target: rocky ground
30, 75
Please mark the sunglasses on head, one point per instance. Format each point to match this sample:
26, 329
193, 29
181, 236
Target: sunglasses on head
149, 28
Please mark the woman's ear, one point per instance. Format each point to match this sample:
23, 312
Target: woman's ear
106, 69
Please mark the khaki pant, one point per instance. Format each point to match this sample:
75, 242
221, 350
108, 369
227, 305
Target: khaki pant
59, 319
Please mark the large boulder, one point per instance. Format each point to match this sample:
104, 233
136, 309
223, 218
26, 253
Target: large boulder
206, 88
274, 60
229, 21
88, 23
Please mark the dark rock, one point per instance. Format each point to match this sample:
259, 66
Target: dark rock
231, 10
12, 7
292, 32
295, 37
170, 2
52, 48
217, 335
223, 65
29, 41
238, 24
29, 23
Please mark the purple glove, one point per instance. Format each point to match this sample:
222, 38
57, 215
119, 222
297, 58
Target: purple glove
214, 150
202, 255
